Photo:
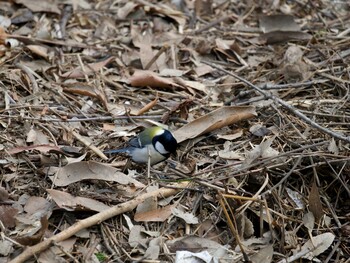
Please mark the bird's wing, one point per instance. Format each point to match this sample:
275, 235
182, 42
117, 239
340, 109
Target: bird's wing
134, 142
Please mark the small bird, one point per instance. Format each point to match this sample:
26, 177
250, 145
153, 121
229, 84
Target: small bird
155, 143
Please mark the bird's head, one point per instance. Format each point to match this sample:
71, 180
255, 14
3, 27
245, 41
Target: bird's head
164, 142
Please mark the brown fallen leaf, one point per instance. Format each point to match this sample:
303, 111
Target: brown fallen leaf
34, 239
143, 78
196, 244
76, 203
86, 90
270, 23
315, 204
39, 50
4, 195
278, 37
126, 9
7, 215
35, 204
144, 43
214, 120
264, 255
158, 215
89, 69
165, 10
182, 107
40, 6
280, 29
78, 171
317, 245
41, 148
37, 137
3, 35
81, 89
294, 68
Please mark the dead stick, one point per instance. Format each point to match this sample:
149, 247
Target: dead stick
211, 24
96, 219
85, 142
284, 104
160, 51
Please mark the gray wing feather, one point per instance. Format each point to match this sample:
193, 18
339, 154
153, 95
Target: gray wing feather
134, 142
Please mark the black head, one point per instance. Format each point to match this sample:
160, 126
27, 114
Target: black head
167, 140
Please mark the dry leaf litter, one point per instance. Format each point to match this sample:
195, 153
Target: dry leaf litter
257, 92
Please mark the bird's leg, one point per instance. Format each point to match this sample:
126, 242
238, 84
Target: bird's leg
149, 164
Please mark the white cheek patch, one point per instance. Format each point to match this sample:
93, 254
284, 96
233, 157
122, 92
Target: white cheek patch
160, 148
159, 132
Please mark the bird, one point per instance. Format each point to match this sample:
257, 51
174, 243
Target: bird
154, 143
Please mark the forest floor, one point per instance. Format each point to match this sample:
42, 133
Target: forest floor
257, 94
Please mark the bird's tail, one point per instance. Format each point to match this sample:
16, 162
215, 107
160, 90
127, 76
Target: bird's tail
124, 150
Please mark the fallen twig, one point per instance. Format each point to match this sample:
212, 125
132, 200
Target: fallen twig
284, 104
85, 142
95, 219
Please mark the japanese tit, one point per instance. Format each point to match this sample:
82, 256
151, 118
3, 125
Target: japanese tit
155, 143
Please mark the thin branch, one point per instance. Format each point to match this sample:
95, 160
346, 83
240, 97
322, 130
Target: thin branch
93, 220
284, 104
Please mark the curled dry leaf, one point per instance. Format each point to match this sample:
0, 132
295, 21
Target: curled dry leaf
143, 78
244, 226
39, 50
294, 68
214, 120
148, 106
79, 171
